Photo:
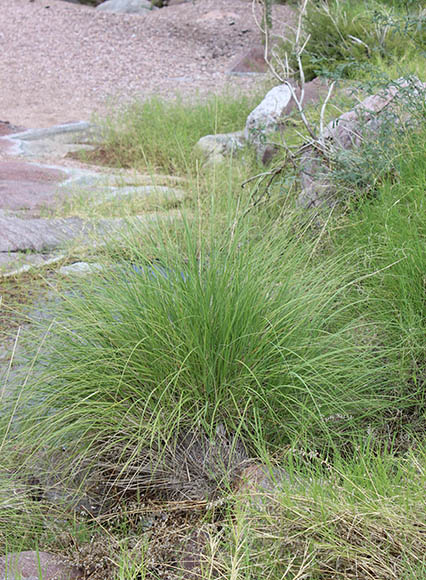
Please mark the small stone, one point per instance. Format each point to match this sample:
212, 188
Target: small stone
80, 269
215, 148
126, 6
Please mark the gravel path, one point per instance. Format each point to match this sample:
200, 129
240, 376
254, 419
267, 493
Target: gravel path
61, 62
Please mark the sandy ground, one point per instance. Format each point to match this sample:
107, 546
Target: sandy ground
61, 62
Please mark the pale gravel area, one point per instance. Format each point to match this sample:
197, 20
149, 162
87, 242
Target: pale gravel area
62, 62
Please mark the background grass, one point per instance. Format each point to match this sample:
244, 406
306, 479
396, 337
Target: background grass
160, 135
345, 35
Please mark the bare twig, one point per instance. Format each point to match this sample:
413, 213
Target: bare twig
266, 36
324, 106
281, 71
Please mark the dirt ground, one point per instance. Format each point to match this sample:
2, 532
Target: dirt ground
62, 62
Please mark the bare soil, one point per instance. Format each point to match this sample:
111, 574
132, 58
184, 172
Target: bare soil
62, 62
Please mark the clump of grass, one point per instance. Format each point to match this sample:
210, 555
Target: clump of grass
197, 330
160, 135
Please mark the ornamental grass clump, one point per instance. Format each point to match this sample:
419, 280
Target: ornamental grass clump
195, 336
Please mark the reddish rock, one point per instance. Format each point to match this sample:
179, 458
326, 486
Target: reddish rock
7, 128
5, 145
388, 108
33, 565
251, 61
26, 186
258, 478
194, 554
20, 170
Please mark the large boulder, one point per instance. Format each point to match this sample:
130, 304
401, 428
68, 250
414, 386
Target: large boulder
364, 123
126, 6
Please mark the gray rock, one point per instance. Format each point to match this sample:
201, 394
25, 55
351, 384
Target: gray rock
17, 235
58, 140
80, 269
271, 115
214, 148
126, 6
16, 263
267, 116
36, 565
67, 128
41, 235
82, 179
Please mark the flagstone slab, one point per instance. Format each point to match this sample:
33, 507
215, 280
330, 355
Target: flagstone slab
57, 141
44, 235
16, 263
27, 186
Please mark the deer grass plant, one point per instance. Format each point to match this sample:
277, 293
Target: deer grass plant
240, 331
197, 328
